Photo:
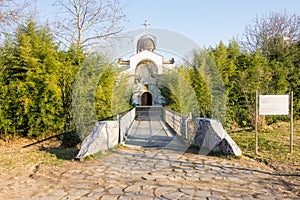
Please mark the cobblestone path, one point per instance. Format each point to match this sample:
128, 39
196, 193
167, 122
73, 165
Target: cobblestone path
150, 173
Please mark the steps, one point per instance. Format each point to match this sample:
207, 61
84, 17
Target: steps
149, 113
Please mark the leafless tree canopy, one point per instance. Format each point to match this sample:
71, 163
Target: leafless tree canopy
10, 11
274, 27
86, 22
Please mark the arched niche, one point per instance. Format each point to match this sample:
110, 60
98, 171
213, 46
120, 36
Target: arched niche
146, 72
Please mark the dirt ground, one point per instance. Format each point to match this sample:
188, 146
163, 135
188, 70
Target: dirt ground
46, 171
17, 160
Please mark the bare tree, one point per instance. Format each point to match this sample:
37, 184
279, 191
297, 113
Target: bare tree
11, 11
270, 31
86, 22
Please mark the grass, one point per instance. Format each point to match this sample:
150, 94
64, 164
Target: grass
15, 157
18, 159
273, 144
62, 153
104, 152
24, 154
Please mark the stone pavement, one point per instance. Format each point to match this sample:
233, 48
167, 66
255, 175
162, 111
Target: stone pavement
150, 173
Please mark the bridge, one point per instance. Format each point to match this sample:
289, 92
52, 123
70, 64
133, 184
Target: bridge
158, 127
151, 130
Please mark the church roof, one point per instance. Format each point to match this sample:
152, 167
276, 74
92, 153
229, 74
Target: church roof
145, 43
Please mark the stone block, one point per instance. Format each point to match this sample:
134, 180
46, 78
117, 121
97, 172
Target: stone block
211, 136
104, 135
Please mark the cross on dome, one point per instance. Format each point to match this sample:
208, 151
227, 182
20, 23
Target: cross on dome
146, 24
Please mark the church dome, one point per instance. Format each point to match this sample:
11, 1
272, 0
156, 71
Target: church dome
145, 43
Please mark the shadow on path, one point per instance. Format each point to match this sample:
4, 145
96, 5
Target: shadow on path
61, 152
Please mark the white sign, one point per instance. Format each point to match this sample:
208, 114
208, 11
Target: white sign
273, 104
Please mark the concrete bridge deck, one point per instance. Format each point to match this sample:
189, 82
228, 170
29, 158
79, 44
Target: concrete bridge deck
154, 133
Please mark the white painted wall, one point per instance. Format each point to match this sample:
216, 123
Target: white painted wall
146, 55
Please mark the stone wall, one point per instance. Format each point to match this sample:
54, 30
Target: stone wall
104, 135
177, 121
211, 136
125, 123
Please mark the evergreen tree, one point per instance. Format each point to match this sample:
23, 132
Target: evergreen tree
213, 80
33, 99
104, 94
294, 75
122, 91
70, 64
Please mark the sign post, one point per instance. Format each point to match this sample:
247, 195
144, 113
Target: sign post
291, 123
275, 105
256, 122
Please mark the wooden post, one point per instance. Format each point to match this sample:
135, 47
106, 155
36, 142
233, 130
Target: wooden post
291, 123
256, 122
120, 140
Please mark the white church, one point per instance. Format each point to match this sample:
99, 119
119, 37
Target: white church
145, 67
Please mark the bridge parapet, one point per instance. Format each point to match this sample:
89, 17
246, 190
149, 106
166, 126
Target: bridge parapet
125, 123
103, 136
178, 122
106, 134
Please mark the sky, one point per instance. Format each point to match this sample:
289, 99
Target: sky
206, 22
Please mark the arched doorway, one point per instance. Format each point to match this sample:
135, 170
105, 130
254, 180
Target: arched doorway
146, 99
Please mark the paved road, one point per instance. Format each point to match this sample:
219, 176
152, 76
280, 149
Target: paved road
152, 173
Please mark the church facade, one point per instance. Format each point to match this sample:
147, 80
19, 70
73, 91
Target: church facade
145, 68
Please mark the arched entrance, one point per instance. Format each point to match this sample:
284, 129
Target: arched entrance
146, 99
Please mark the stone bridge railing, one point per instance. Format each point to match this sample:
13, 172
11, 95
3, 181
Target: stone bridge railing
208, 134
106, 134
178, 122
125, 123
